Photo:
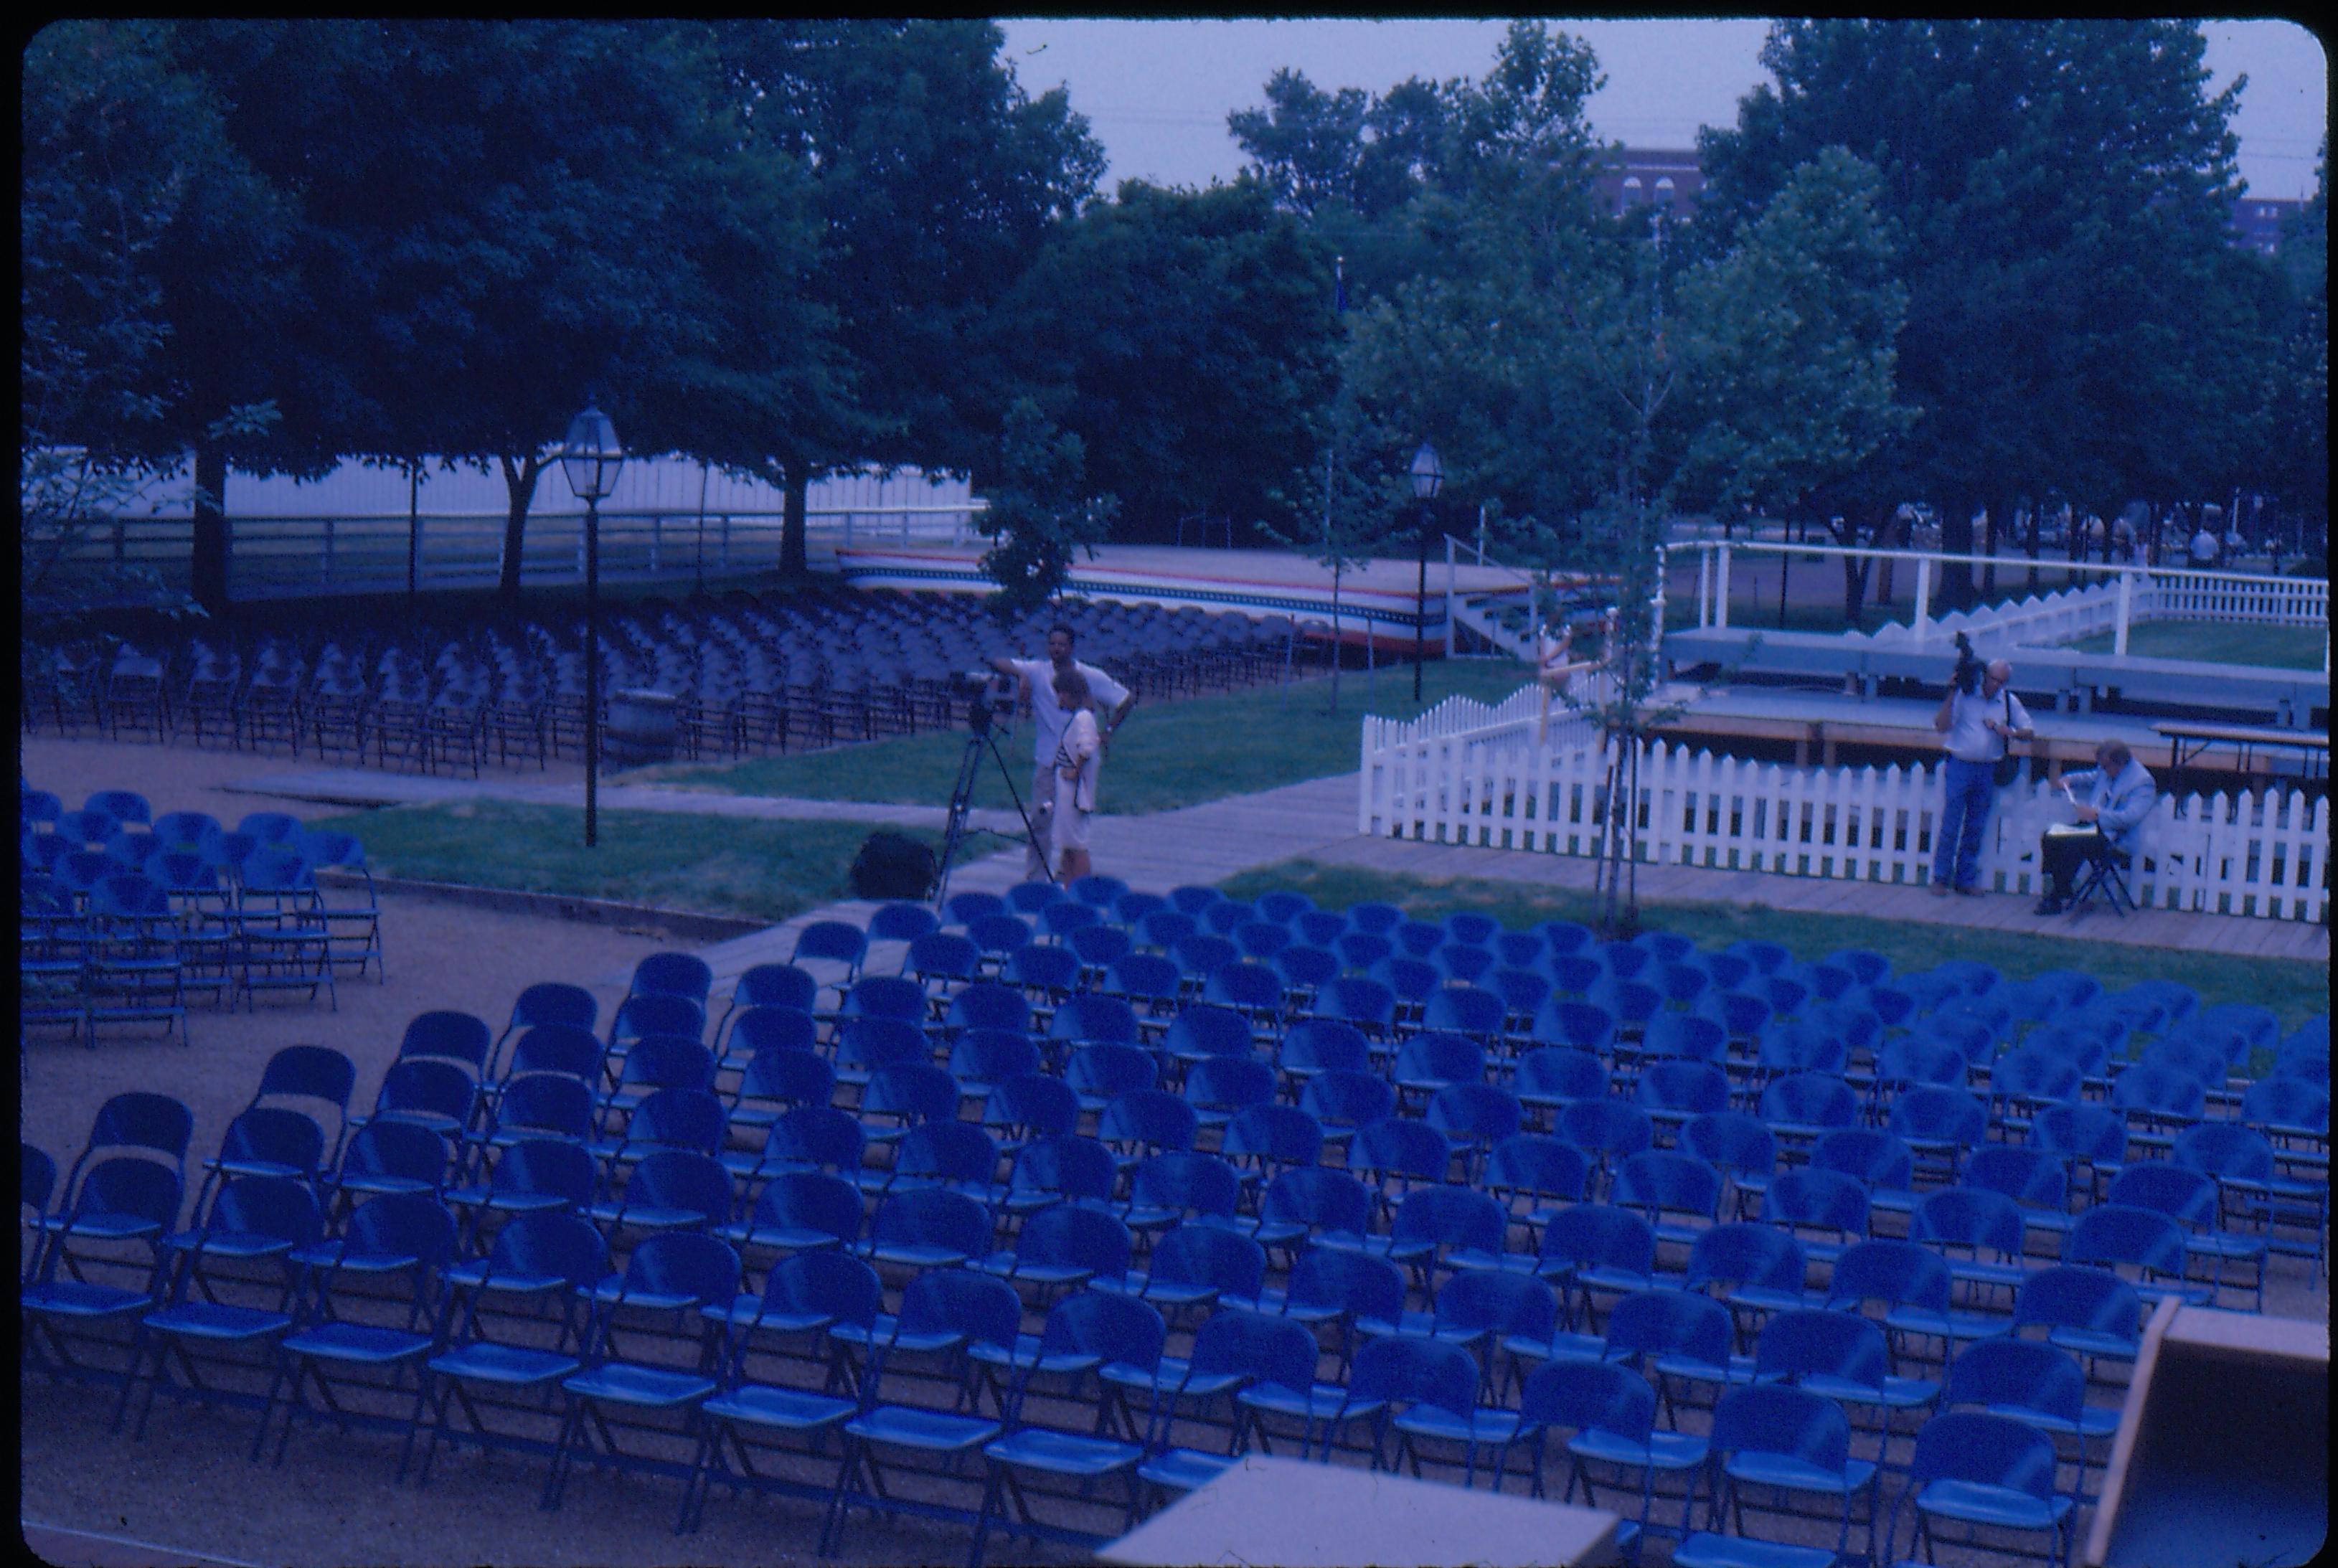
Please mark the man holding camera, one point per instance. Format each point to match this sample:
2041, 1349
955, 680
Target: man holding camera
1048, 718
1978, 720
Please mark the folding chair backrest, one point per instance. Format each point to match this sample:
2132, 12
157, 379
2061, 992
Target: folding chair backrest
1415, 1371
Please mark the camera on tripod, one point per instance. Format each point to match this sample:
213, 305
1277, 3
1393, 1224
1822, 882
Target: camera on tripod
1966, 677
988, 700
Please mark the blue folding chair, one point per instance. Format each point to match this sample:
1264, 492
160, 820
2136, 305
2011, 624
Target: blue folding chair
1080, 1332
1609, 1414
1776, 1441
809, 1293
1429, 1389
943, 1312
1984, 1472
673, 1276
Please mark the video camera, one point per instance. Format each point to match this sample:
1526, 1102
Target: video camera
1966, 677
985, 702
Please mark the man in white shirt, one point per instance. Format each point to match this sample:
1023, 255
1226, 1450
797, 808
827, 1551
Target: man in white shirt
1048, 718
2203, 548
1975, 730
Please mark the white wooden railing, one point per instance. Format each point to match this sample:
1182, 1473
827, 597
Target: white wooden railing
1468, 773
2115, 596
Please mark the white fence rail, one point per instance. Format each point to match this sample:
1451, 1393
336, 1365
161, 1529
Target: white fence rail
277, 556
2097, 598
1491, 784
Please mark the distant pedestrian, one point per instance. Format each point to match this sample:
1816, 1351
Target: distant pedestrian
1976, 729
2204, 547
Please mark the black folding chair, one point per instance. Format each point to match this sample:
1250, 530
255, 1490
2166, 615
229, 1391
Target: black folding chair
2104, 873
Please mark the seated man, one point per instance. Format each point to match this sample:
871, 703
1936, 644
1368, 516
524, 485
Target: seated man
2119, 795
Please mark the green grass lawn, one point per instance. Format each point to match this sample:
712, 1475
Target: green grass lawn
2277, 647
1170, 754
763, 870
2293, 989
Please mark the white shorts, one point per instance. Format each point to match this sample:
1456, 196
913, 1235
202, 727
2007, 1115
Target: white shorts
1070, 824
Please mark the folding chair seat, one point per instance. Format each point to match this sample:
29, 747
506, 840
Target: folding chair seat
1144, 978
281, 939
1586, 1248
1610, 1412
804, 1138
1233, 1349
1474, 1117
1087, 1020
2190, 1198
1608, 1132
1673, 1091
2091, 1312
1372, 919
1977, 1231
2103, 874
799, 1211
988, 1004
1160, 930
1430, 1389
1129, 909
1260, 940
1190, 1266
980, 1058
1252, 989
1802, 1105
1361, 952
1748, 1267
834, 942
1031, 897
2026, 1078
1367, 1003
670, 1190
1319, 928
939, 960
955, 1154
1060, 919
674, 1275
1428, 1061
537, 1261
350, 909
1200, 956
270, 1141
1844, 1357
1303, 970
1805, 1199
777, 1078
1533, 1175
943, 1312
2157, 1102
1171, 1187
1478, 1310
399, 1235
1676, 1337
1552, 1077
772, 986
313, 1073
1632, 1003
1777, 1441
2250, 1187
2039, 1384
133, 966
2091, 1140
1986, 1472
1057, 1168
809, 1293
1062, 1248
253, 1220
1736, 1144
1463, 963
1344, 1101
1686, 1037
1658, 1183
547, 1002
1218, 1086
1204, 1031
1103, 1072
113, 1204
902, 921
664, 1096
1877, 1159
926, 1228
532, 1175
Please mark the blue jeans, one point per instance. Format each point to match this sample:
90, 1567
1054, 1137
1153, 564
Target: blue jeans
1964, 816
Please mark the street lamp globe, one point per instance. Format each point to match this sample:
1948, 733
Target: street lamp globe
590, 455
1428, 473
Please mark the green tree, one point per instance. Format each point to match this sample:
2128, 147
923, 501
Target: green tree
1042, 514
1791, 343
934, 180
1186, 338
2061, 190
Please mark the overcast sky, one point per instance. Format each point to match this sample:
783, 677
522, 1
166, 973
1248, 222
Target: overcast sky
1157, 93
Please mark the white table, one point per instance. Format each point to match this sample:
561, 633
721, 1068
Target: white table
1298, 1513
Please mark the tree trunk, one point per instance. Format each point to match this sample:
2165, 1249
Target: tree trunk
1954, 590
2033, 546
797, 481
519, 484
2000, 511
211, 545
1855, 569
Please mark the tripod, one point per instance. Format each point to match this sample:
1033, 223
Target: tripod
985, 737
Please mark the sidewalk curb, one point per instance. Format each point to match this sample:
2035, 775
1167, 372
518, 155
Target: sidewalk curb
679, 923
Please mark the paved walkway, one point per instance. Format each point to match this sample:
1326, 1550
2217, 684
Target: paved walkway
1312, 820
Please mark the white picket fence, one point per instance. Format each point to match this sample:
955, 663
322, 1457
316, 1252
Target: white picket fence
1492, 785
2068, 614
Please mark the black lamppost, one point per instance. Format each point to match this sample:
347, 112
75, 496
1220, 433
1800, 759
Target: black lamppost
591, 457
1428, 478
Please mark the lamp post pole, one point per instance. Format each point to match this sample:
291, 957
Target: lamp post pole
1428, 476
591, 457
1420, 608
592, 671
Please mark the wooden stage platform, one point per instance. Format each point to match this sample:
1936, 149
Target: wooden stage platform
1381, 599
